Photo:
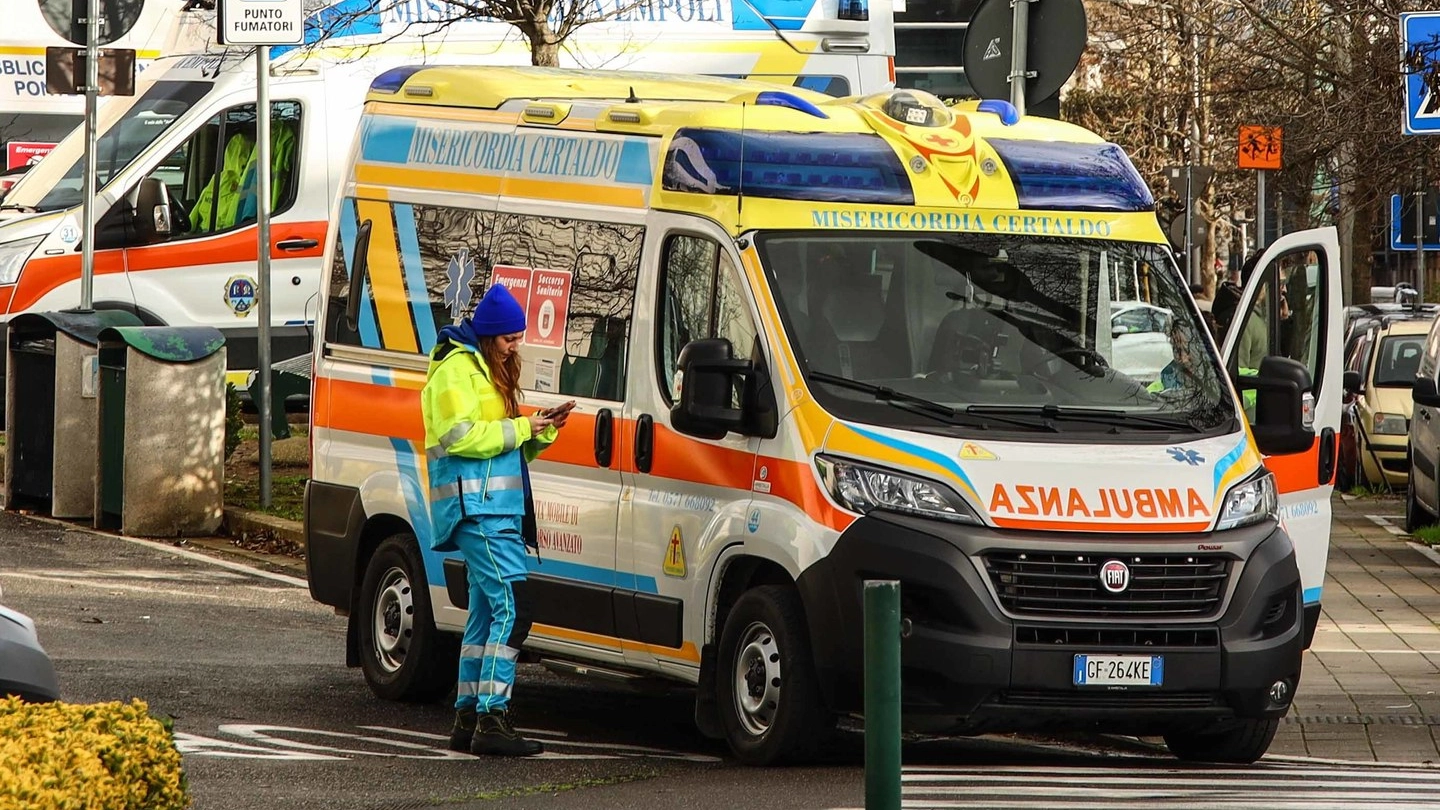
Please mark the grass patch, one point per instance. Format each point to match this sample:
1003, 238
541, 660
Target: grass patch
287, 495
1429, 535
1371, 491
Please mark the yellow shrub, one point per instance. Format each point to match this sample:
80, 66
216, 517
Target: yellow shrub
101, 756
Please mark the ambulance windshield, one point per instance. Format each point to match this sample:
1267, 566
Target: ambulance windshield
1016, 332
126, 124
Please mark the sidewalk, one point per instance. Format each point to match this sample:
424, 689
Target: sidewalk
1370, 688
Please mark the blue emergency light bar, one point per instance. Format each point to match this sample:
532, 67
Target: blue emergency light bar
1073, 176
846, 167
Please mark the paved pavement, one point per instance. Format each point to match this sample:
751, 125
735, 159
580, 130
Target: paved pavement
1370, 687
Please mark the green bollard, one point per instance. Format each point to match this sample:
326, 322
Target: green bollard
882, 694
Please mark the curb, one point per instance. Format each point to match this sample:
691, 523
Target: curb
241, 522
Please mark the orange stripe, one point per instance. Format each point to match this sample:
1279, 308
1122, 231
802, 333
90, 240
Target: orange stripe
1077, 526
237, 246
685, 652
795, 482
377, 410
41, 276
1296, 472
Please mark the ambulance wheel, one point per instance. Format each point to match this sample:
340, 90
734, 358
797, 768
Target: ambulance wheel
768, 696
1236, 741
402, 655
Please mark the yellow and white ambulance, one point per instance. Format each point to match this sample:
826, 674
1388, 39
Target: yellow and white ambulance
816, 341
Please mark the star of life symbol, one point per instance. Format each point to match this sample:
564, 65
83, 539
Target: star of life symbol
459, 273
1188, 456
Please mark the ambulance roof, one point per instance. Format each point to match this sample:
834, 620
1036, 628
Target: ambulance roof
731, 138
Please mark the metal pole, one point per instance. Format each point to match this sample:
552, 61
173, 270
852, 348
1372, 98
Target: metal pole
882, 695
1259, 210
92, 93
1420, 244
1019, 36
1189, 217
262, 283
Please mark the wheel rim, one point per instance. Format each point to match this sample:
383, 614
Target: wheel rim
757, 679
393, 620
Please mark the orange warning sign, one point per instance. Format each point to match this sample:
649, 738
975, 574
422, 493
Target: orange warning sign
675, 555
1259, 147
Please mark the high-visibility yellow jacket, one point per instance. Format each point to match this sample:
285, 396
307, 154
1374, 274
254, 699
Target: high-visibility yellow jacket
473, 451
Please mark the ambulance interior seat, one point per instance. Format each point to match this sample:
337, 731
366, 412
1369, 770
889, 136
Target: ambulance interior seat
846, 333
600, 373
790, 282
975, 326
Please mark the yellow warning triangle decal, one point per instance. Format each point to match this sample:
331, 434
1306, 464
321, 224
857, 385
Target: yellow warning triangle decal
971, 450
675, 555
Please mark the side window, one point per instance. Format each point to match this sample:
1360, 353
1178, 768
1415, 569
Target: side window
212, 175
1284, 316
701, 297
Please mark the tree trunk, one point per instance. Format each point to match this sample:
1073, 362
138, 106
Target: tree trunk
544, 48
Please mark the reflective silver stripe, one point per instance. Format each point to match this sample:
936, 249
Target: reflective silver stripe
436, 453
452, 490
455, 434
502, 651
506, 482
493, 688
507, 430
472, 650
466, 689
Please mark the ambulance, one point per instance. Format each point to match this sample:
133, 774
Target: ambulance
189, 132
815, 342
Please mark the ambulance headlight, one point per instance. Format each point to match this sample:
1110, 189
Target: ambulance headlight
861, 488
1250, 501
13, 256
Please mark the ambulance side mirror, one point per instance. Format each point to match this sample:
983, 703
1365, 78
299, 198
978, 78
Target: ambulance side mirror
152, 211
712, 380
1284, 408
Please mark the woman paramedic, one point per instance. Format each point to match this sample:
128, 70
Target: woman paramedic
477, 446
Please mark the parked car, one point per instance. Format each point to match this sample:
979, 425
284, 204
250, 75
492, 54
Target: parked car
1422, 502
25, 668
1140, 345
1379, 373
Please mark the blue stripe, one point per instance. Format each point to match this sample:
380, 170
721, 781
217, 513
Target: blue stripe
592, 574
918, 451
1312, 595
415, 276
349, 228
386, 140
1225, 463
634, 164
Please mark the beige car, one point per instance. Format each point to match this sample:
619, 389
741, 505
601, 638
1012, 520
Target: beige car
1379, 374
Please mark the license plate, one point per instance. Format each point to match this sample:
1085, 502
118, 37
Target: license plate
1119, 670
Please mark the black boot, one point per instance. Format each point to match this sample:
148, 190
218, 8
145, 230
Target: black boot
463, 730
495, 735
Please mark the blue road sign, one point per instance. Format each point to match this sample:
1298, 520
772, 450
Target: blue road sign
1402, 225
1421, 59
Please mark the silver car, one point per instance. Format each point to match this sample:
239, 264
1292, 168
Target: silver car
25, 668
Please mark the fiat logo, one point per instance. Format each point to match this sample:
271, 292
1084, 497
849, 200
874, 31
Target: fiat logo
1115, 576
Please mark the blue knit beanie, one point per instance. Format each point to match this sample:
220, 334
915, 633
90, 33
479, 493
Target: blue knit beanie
498, 313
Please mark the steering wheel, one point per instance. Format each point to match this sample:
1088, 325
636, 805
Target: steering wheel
179, 218
968, 355
1087, 360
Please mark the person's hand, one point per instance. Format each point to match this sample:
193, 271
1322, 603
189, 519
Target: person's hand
538, 422
560, 414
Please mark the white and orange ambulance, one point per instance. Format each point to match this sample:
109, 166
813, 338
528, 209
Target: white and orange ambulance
192, 120
817, 341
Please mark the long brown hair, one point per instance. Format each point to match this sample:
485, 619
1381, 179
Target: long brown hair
504, 373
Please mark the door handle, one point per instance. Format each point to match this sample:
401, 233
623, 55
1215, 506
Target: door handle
644, 442
1327, 456
604, 436
297, 244
1425, 414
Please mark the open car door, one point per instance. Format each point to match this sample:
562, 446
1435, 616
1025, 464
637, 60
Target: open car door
1291, 307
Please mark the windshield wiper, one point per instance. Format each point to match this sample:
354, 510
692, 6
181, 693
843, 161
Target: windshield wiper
925, 407
1107, 416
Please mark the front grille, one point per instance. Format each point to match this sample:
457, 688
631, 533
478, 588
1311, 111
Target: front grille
1120, 700
1110, 637
1068, 584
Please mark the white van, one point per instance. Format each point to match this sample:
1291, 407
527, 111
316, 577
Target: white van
193, 120
893, 323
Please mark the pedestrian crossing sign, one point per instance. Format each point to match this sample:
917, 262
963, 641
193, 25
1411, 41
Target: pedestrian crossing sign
675, 555
1420, 62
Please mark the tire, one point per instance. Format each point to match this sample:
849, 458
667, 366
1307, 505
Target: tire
402, 655
1416, 516
1235, 741
766, 689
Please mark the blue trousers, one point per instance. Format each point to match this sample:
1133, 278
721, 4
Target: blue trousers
499, 617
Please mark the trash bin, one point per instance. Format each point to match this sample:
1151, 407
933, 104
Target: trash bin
51, 391
161, 431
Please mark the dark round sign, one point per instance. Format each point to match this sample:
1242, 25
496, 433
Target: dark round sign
1056, 39
117, 18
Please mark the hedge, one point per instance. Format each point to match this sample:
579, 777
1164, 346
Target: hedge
100, 756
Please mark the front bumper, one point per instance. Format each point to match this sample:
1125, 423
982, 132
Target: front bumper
1384, 456
971, 665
